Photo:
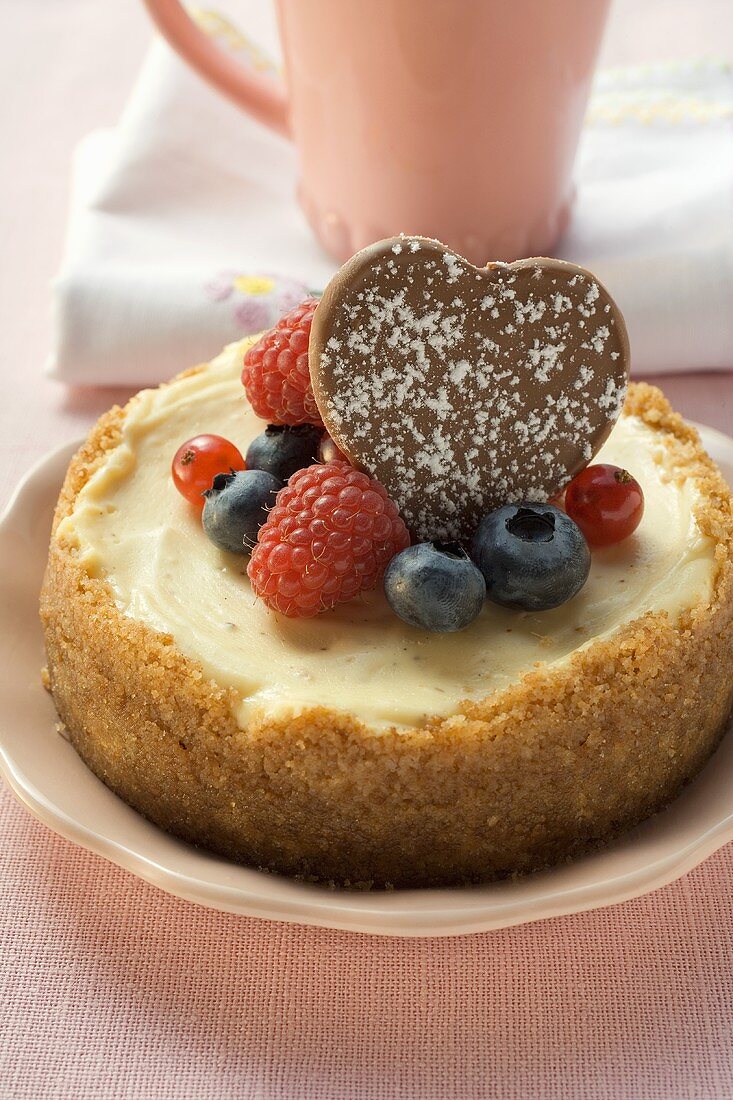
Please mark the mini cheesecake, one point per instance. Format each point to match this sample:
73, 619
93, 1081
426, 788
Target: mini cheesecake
351, 747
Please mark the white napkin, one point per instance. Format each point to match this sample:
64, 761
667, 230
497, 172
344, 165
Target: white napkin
184, 231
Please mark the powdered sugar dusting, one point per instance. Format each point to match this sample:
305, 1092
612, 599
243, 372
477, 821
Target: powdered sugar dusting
461, 394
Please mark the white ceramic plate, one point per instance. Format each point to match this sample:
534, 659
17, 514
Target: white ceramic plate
50, 779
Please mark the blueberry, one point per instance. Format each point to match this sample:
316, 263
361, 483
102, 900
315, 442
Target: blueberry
236, 507
435, 586
282, 450
533, 557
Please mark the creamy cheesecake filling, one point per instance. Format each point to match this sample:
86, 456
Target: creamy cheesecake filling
132, 528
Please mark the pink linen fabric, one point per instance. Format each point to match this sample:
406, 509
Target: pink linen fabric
111, 989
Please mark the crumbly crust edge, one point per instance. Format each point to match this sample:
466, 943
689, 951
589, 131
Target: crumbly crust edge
531, 716
714, 515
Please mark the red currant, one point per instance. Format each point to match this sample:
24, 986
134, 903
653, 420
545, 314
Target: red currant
329, 452
197, 462
606, 502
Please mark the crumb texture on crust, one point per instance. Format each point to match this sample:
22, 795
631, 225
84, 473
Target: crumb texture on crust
564, 759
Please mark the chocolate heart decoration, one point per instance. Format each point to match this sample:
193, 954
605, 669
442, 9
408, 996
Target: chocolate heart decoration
464, 388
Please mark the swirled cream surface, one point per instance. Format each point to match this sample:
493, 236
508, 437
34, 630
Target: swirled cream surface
134, 530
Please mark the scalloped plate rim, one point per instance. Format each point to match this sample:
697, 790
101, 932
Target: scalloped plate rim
412, 913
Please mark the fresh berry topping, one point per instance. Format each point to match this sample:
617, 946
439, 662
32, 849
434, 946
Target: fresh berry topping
435, 586
329, 452
331, 534
533, 557
276, 375
236, 507
606, 502
281, 450
197, 462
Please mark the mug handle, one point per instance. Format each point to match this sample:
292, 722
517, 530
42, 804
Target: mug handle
262, 98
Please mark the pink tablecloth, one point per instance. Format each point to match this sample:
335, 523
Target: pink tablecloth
108, 988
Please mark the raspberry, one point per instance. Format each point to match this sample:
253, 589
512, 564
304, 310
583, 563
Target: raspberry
276, 375
330, 535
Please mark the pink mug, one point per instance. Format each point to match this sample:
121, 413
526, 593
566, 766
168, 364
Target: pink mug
451, 120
